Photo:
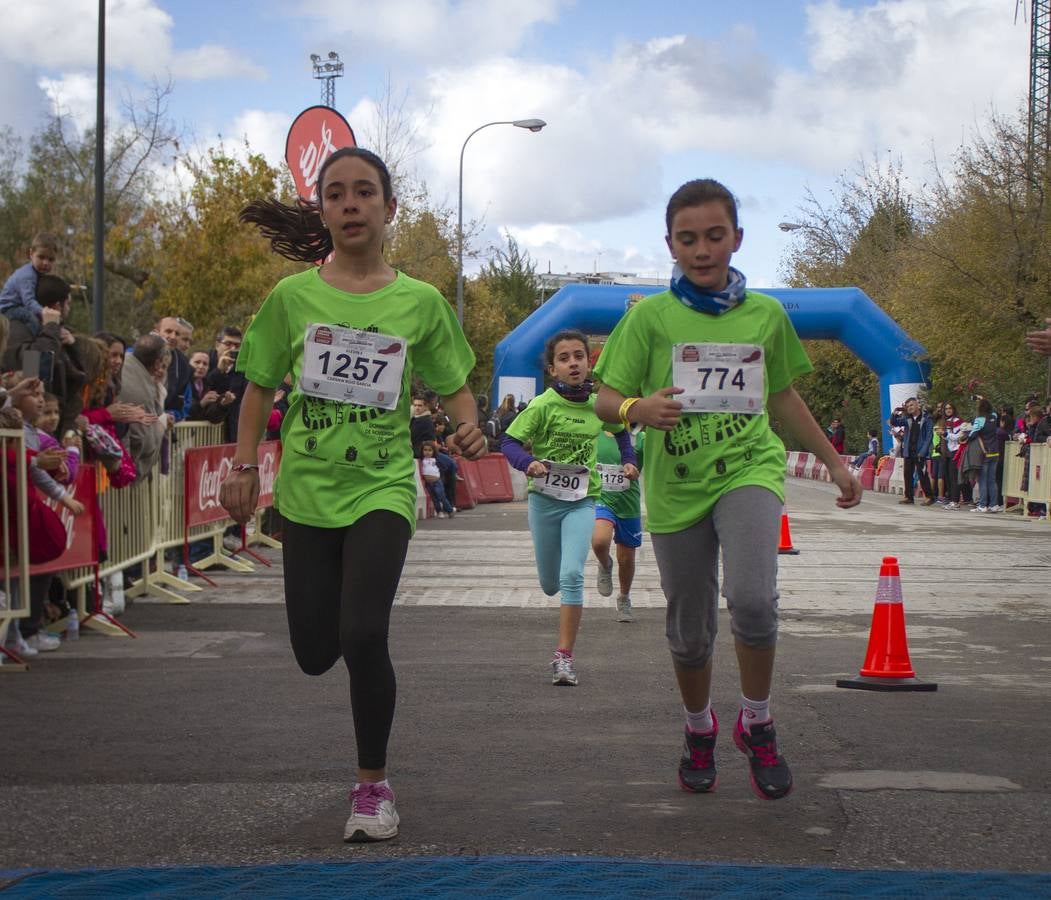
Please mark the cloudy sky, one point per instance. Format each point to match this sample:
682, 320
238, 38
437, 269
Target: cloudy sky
769, 96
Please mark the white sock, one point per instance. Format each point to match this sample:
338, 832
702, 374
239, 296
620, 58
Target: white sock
755, 712
700, 722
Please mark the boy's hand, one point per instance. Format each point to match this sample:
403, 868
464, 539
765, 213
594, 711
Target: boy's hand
631, 472
850, 489
658, 410
50, 316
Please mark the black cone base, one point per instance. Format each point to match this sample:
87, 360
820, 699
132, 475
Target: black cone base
867, 683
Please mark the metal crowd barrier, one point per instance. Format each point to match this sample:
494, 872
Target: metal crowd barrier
1038, 489
13, 508
146, 519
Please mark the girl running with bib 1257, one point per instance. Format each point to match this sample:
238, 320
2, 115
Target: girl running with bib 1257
700, 365
351, 332
561, 428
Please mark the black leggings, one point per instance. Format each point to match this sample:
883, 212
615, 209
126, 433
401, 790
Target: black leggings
339, 589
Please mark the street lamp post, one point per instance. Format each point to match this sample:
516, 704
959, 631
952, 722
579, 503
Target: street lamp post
528, 124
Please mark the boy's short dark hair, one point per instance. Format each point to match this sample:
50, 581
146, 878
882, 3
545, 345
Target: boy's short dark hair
51, 290
44, 240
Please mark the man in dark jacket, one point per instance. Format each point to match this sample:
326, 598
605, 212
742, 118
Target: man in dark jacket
224, 379
179, 397
916, 445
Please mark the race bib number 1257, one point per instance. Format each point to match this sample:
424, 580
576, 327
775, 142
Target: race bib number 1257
352, 366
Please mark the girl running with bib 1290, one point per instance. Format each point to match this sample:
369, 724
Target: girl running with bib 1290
700, 366
351, 332
562, 429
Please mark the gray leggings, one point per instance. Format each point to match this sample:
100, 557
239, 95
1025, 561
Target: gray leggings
745, 523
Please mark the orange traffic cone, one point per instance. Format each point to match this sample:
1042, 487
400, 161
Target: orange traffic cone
785, 547
887, 666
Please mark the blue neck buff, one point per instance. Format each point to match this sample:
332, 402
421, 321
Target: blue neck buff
578, 393
712, 302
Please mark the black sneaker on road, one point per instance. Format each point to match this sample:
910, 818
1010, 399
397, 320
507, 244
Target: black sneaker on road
697, 767
770, 776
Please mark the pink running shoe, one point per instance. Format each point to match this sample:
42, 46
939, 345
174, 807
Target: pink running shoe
697, 766
372, 814
770, 776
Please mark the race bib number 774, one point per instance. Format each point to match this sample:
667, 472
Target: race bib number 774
352, 366
719, 377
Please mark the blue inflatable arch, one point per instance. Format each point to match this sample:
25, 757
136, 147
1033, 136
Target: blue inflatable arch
847, 315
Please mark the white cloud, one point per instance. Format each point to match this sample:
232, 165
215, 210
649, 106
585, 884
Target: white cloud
432, 29
909, 77
265, 132
72, 96
63, 35
212, 61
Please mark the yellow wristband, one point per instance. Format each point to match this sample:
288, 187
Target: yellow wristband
625, 408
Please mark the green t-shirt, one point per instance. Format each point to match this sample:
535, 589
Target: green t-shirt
342, 460
707, 454
562, 431
623, 504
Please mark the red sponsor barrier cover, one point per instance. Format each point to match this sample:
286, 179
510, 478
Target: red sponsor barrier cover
495, 478
206, 469
316, 133
465, 498
81, 548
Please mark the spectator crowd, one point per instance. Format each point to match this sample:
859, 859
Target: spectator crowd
100, 400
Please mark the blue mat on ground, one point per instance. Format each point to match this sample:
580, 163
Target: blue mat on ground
516, 876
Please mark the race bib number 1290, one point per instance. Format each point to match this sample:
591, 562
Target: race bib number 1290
352, 366
563, 481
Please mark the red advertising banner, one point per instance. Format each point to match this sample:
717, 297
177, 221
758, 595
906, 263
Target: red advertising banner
81, 548
315, 134
206, 469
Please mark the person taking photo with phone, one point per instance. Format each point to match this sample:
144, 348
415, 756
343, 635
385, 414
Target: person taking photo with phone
224, 379
49, 349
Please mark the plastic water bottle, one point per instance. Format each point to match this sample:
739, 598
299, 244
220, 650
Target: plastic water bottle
182, 574
72, 625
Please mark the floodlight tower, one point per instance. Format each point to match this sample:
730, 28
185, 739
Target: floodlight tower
327, 71
1039, 136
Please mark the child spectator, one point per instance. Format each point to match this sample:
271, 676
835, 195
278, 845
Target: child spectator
871, 452
18, 299
432, 480
44, 466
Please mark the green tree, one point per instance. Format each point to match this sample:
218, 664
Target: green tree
210, 268
510, 276
51, 188
861, 238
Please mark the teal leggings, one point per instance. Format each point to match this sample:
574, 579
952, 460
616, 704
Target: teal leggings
561, 540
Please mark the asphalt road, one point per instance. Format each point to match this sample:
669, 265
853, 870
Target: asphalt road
201, 742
